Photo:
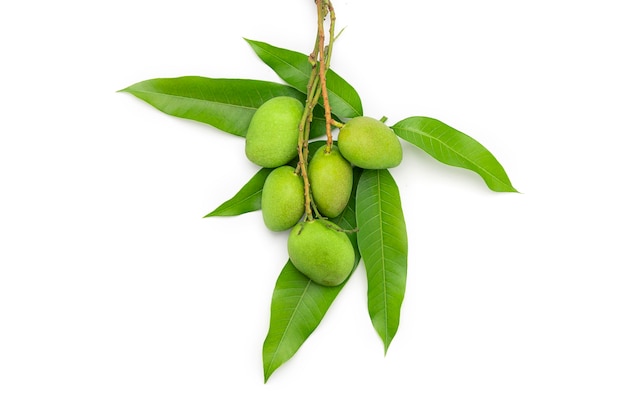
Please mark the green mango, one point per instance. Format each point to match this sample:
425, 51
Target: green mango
321, 251
272, 137
282, 199
369, 143
330, 176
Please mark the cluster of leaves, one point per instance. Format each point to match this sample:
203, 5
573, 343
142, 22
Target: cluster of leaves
298, 304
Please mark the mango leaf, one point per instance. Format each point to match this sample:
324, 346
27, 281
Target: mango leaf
383, 244
247, 199
227, 104
299, 304
294, 68
455, 148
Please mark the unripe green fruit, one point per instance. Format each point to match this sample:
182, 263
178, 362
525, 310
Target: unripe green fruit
331, 181
369, 143
282, 199
321, 252
272, 138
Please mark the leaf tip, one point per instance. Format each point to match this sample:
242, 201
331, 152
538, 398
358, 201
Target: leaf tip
508, 188
251, 42
267, 373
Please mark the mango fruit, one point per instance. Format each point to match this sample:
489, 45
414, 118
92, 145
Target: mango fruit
272, 137
369, 143
282, 199
321, 251
330, 176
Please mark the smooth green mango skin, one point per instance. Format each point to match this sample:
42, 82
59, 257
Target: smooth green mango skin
369, 143
321, 252
331, 181
272, 137
282, 199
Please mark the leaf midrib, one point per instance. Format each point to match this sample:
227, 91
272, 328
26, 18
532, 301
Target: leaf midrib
282, 337
228, 206
206, 101
422, 133
382, 250
192, 98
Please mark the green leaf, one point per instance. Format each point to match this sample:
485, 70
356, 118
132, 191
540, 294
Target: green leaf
455, 148
299, 304
227, 104
247, 199
382, 240
294, 68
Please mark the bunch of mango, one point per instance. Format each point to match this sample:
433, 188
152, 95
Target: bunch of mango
317, 247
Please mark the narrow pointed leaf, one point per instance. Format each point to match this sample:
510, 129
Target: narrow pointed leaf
299, 305
227, 104
455, 148
247, 199
383, 244
294, 68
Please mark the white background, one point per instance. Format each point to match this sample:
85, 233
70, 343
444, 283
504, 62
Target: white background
118, 299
